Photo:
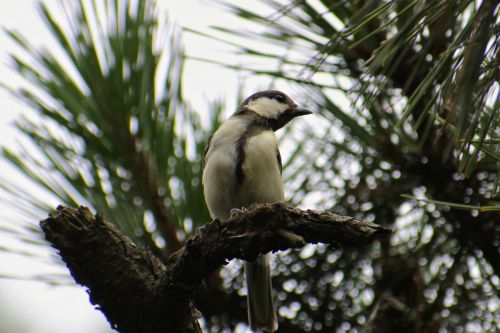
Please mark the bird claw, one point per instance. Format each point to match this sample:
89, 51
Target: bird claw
235, 211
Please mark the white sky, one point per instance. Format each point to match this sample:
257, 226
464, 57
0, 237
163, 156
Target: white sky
34, 306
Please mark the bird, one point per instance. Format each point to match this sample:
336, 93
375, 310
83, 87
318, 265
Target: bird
242, 166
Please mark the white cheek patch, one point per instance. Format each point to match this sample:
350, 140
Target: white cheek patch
267, 107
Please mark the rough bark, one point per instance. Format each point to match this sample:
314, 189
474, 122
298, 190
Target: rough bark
138, 293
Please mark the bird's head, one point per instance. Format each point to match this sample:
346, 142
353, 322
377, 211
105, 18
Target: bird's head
273, 107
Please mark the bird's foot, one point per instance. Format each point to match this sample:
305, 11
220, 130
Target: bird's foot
235, 211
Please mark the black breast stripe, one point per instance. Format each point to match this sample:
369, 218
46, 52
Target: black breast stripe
252, 130
240, 157
278, 157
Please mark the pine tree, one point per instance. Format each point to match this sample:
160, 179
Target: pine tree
407, 100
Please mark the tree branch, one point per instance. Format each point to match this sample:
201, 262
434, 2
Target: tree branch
138, 293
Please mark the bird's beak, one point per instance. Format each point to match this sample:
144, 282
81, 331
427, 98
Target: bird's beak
301, 112
287, 116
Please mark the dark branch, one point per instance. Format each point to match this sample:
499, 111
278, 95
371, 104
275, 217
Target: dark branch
138, 293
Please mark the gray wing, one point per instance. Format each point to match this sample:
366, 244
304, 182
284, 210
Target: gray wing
205, 151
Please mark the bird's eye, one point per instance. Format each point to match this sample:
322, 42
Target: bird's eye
279, 98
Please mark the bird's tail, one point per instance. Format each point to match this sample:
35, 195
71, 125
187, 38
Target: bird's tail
261, 314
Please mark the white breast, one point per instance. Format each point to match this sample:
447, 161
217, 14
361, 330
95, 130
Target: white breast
262, 182
262, 178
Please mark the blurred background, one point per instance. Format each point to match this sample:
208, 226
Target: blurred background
109, 104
